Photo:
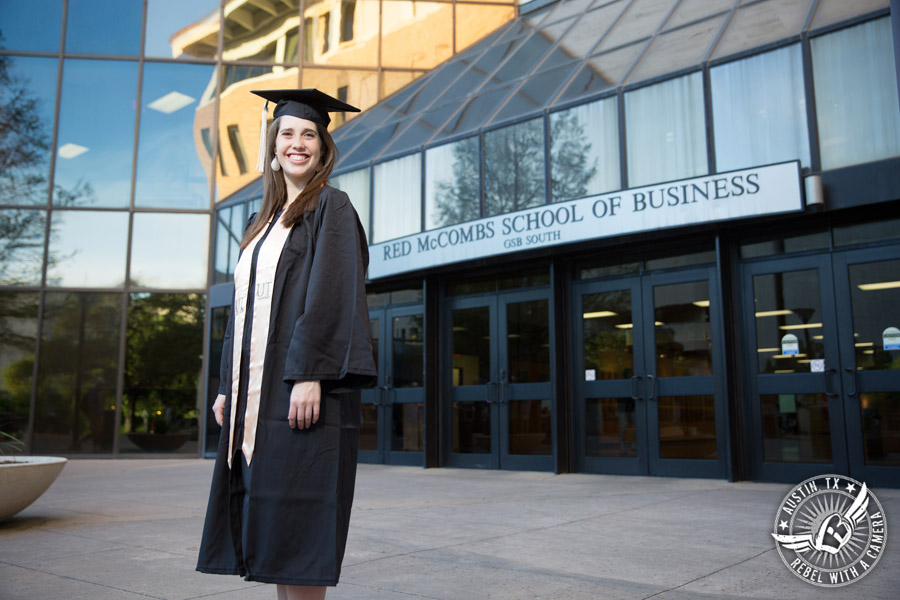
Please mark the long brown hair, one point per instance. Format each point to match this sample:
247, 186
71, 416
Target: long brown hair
275, 191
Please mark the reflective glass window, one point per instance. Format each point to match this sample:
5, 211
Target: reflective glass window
218, 323
261, 32
357, 88
584, 36
235, 140
866, 233
391, 81
341, 32
758, 24
789, 331
759, 110
689, 11
22, 235
356, 185
178, 29
602, 72
96, 133
407, 351
27, 88
567, 8
584, 150
87, 248
397, 198
474, 21
796, 428
829, 12
679, 49
18, 336
452, 183
535, 93
665, 130
856, 94
169, 250
169, 171
163, 360
77, 373
531, 52
104, 27
514, 167
819, 240
416, 35
642, 19
230, 224
32, 26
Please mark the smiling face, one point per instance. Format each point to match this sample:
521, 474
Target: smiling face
298, 149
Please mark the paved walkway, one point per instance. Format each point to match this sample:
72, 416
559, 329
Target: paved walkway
129, 529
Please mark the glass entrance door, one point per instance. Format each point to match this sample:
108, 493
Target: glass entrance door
499, 413
393, 412
827, 385
868, 291
648, 399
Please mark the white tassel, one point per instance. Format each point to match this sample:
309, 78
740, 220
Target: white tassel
261, 156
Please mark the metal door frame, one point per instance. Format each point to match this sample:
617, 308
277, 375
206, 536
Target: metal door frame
496, 392
826, 382
854, 382
644, 387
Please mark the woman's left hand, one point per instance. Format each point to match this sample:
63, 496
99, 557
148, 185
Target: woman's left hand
304, 411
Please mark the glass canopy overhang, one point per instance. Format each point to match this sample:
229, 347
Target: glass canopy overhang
571, 52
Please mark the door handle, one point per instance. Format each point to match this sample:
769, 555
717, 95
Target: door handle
634, 381
487, 392
387, 391
852, 373
503, 398
651, 385
829, 387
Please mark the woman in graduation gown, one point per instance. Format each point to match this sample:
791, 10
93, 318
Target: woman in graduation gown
296, 351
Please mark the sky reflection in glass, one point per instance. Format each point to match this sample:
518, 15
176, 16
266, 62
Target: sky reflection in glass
165, 18
95, 144
111, 27
170, 173
32, 26
87, 249
169, 251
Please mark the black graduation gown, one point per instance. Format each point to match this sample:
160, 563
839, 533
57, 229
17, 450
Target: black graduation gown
287, 522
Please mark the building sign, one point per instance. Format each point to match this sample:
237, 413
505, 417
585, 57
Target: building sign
721, 197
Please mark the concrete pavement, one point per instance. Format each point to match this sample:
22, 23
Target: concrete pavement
130, 529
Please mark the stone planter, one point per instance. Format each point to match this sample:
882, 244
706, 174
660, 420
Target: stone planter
24, 480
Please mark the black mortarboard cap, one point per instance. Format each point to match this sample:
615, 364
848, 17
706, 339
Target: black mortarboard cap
309, 104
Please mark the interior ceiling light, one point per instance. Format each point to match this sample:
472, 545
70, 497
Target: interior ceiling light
624, 326
801, 326
881, 285
171, 102
701, 303
71, 150
598, 314
773, 313
768, 349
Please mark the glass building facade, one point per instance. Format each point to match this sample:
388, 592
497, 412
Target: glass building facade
124, 123
750, 346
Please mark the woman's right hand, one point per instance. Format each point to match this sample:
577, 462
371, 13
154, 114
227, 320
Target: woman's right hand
219, 408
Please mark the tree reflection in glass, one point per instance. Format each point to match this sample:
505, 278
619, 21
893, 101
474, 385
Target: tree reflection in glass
453, 183
18, 333
164, 354
76, 385
514, 168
